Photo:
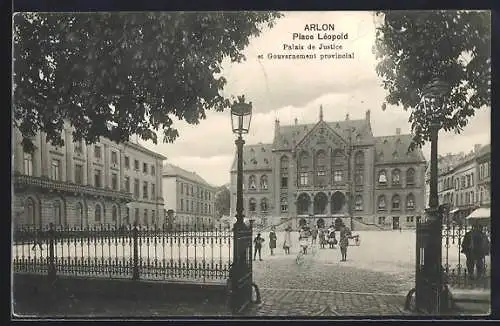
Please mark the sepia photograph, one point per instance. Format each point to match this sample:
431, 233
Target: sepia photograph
329, 164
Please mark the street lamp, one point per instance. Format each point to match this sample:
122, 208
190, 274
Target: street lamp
241, 115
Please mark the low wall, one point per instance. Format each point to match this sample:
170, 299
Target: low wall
29, 285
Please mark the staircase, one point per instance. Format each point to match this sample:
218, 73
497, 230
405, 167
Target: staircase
362, 226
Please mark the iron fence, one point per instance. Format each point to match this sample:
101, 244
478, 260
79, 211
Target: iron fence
454, 261
200, 253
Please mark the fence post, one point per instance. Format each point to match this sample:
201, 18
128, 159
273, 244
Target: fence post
51, 267
135, 270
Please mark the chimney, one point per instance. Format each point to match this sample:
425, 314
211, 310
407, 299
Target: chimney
477, 147
398, 131
296, 121
368, 115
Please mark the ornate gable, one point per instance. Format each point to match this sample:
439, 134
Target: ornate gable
320, 135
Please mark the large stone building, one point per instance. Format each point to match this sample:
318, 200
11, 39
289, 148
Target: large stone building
309, 169
80, 184
188, 196
464, 180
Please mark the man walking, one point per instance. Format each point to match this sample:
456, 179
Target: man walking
258, 246
475, 246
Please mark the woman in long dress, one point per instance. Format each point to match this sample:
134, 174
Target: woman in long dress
272, 241
304, 235
288, 240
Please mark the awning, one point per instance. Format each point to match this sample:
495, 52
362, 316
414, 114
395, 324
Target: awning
481, 212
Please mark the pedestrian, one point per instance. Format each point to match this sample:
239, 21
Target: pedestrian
304, 235
322, 238
287, 243
37, 240
258, 246
475, 246
272, 240
332, 241
314, 235
343, 243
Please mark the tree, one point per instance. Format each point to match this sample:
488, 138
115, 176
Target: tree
114, 75
222, 201
415, 47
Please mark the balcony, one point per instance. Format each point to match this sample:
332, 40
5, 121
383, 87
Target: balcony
25, 181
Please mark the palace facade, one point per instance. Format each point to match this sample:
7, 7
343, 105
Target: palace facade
79, 184
309, 171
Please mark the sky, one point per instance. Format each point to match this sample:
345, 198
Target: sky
288, 89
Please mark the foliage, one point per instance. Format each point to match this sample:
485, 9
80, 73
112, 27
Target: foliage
222, 201
118, 74
415, 47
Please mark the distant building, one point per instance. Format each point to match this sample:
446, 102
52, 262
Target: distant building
188, 195
80, 184
464, 180
306, 174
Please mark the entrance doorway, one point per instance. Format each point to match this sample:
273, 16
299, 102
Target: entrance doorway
302, 222
320, 223
395, 223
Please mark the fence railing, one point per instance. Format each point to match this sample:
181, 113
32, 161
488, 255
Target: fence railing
200, 253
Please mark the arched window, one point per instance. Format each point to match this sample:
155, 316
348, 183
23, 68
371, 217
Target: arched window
359, 169
381, 202
338, 166
251, 182
284, 204
114, 214
410, 176
382, 177
79, 213
58, 219
97, 213
284, 172
263, 205
321, 168
396, 202
358, 203
396, 177
30, 211
252, 205
263, 182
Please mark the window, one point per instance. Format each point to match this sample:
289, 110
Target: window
338, 175
114, 181
303, 179
263, 205
136, 165
145, 190
182, 204
78, 174
358, 176
153, 191
263, 182
457, 184
472, 179
97, 213
252, 205
136, 216
144, 168
251, 182
78, 146
55, 169
284, 204
28, 163
182, 188
79, 213
410, 202
97, 178
395, 202
127, 184
127, 215
284, 172
192, 206
359, 160
97, 152
381, 220
187, 190
382, 178
57, 212
197, 207
381, 202
114, 214
396, 177
136, 188
114, 157
127, 162
358, 203
153, 170
410, 176
153, 217
409, 219
462, 179
145, 220
468, 180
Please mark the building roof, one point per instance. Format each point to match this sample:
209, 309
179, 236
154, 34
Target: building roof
394, 149
484, 150
256, 157
289, 134
170, 170
143, 149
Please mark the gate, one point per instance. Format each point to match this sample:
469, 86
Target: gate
240, 274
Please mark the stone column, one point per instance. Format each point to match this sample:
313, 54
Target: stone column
44, 155
69, 156
88, 151
106, 168
121, 176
